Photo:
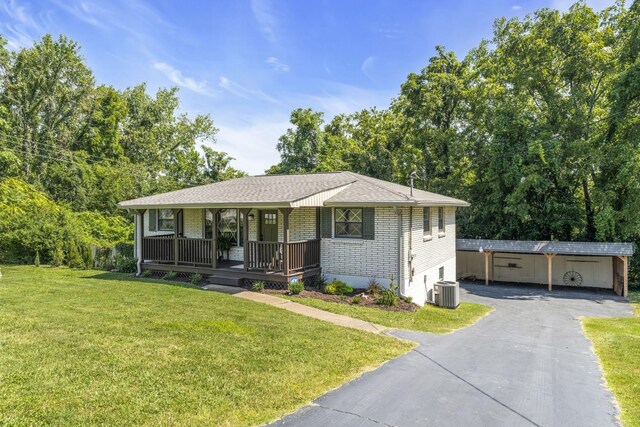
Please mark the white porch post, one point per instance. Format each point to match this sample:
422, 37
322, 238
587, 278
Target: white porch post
138, 238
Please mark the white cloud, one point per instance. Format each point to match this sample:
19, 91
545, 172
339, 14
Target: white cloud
338, 98
252, 143
367, 64
516, 7
189, 83
244, 92
23, 29
277, 65
263, 14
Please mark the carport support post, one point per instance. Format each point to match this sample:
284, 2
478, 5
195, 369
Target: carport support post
487, 254
625, 275
550, 269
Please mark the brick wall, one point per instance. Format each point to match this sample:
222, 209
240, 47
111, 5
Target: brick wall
359, 260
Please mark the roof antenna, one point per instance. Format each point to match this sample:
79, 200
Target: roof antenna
412, 176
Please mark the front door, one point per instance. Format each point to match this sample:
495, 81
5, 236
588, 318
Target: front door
269, 226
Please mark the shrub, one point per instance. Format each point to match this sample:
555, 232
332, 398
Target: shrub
195, 279
408, 299
36, 262
57, 257
125, 264
319, 281
125, 249
74, 260
374, 288
388, 297
169, 275
356, 299
103, 258
87, 255
337, 287
258, 286
296, 287
145, 273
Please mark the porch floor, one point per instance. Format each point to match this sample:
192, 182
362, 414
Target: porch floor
233, 269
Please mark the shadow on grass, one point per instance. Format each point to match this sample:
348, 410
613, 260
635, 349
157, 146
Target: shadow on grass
128, 277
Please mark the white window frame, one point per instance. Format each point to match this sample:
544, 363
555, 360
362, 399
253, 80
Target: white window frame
442, 224
426, 228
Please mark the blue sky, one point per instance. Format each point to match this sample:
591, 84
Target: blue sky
248, 63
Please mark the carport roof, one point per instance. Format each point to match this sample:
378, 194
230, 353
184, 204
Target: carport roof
546, 247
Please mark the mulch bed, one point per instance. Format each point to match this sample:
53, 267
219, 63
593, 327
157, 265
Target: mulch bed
366, 299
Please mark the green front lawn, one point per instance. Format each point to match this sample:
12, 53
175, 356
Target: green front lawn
617, 344
427, 319
88, 347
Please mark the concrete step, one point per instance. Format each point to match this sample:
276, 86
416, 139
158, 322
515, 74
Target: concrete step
217, 279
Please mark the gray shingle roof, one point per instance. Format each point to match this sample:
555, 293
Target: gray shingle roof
285, 190
546, 247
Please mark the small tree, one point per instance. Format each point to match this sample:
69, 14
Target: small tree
74, 260
57, 257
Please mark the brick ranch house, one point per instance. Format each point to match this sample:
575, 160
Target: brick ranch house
276, 228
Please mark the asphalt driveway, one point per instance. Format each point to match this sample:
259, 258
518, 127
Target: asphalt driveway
527, 363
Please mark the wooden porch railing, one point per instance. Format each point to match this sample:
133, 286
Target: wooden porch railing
303, 254
158, 248
265, 256
194, 251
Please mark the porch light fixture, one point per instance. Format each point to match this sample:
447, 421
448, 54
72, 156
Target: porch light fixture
481, 250
250, 217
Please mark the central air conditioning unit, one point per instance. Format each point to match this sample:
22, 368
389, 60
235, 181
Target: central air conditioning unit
447, 294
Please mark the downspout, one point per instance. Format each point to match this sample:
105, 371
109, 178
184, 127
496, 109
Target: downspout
410, 252
400, 252
138, 241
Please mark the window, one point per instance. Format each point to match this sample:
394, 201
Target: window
208, 224
441, 273
165, 220
441, 221
348, 223
270, 218
426, 222
229, 224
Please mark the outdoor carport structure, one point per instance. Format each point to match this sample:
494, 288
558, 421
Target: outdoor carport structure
586, 264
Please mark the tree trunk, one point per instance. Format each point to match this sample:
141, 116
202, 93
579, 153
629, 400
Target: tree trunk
590, 230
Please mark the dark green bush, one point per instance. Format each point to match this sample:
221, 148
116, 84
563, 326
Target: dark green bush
170, 275
125, 264
145, 273
356, 299
388, 297
195, 279
258, 286
337, 287
296, 287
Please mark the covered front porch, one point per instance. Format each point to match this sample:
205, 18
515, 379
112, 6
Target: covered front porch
257, 245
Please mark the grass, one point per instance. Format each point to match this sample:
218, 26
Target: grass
89, 348
427, 319
617, 345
